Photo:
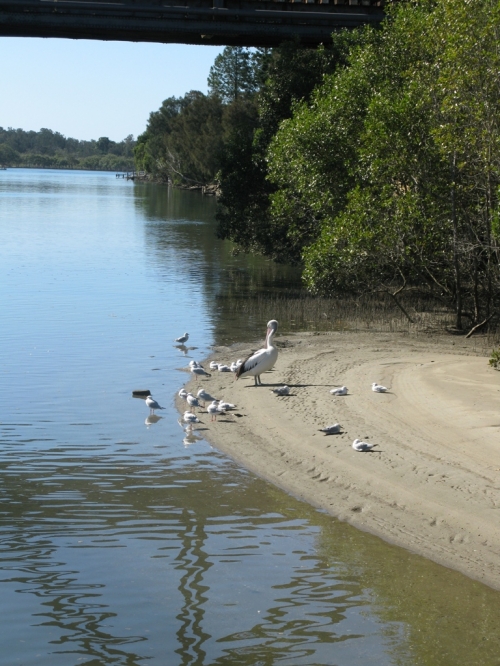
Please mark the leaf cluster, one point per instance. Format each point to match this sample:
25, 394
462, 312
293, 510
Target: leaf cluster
390, 171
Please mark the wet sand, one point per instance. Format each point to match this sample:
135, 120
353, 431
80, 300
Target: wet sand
432, 483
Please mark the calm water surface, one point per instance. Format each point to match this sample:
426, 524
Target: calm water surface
122, 541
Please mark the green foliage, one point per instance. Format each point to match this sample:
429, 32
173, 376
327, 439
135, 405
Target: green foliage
243, 211
394, 163
8, 155
53, 150
495, 359
183, 139
236, 72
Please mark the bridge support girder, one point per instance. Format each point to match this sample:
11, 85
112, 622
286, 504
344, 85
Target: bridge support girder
217, 22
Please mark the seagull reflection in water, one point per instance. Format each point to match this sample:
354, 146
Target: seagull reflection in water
190, 438
152, 418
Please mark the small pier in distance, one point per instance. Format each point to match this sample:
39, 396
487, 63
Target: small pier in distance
132, 175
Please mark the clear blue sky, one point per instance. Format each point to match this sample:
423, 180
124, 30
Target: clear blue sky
88, 89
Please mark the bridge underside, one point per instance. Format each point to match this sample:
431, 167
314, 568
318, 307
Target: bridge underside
218, 22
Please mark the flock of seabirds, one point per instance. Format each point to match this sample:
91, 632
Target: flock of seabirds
254, 366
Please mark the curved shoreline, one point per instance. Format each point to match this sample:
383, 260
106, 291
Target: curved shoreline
433, 484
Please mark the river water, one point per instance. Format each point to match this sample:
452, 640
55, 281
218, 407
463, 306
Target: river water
121, 540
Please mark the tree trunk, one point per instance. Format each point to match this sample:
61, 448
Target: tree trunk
456, 265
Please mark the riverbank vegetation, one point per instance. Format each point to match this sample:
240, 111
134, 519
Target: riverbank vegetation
49, 149
392, 168
373, 163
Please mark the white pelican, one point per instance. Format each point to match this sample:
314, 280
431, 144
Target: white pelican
378, 388
152, 404
342, 390
358, 445
331, 429
281, 390
261, 360
182, 339
204, 396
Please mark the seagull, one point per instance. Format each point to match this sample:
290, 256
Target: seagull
182, 339
378, 388
195, 364
331, 429
281, 390
261, 360
192, 401
223, 368
182, 393
358, 445
152, 404
226, 405
235, 365
204, 396
199, 371
190, 418
213, 410
342, 390
213, 365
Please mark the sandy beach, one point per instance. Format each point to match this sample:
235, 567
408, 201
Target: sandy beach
432, 483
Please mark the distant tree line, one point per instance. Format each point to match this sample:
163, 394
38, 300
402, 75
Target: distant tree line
374, 163
46, 148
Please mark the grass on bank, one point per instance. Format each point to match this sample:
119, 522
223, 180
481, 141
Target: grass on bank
372, 312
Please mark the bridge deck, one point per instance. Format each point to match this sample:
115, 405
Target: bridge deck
218, 22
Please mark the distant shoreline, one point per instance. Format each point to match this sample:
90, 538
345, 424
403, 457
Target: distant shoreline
52, 168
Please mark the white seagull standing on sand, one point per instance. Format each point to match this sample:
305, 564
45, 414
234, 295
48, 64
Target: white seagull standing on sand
192, 401
378, 388
199, 371
152, 404
213, 410
204, 396
358, 445
225, 405
261, 360
342, 390
190, 418
331, 429
182, 339
182, 393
